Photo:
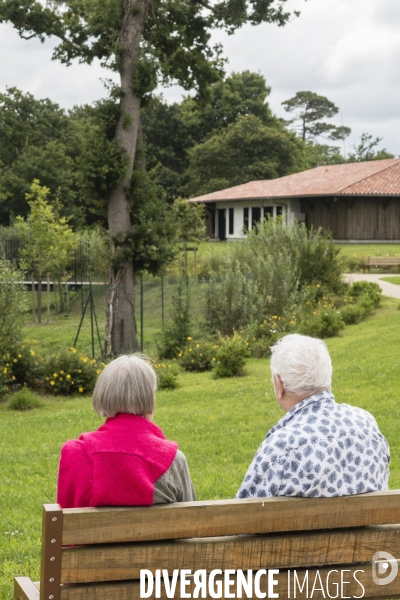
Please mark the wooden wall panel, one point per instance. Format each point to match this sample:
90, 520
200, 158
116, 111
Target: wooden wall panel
356, 218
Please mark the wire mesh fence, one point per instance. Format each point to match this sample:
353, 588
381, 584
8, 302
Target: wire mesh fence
69, 309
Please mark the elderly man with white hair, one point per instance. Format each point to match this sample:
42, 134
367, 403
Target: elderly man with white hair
318, 448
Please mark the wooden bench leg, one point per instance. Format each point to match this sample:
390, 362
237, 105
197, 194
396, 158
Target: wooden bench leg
25, 589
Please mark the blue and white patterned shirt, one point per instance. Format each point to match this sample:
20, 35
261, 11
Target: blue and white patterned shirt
319, 449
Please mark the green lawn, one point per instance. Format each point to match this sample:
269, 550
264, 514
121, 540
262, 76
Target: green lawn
219, 425
395, 280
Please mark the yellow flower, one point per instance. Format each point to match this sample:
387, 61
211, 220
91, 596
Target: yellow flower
51, 382
180, 354
85, 359
214, 358
190, 349
68, 376
274, 317
5, 370
55, 375
47, 378
33, 353
61, 378
61, 372
98, 371
197, 345
190, 339
15, 360
79, 370
19, 355
14, 378
80, 390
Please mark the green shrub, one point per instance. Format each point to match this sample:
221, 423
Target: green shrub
356, 264
69, 372
26, 364
24, 400
13, 304
166, 375
174, 335
368, 289
352, 313
232, 300
231, 356
198, 357
264, 335
323, 323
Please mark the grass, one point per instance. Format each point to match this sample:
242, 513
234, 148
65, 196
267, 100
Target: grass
218, 424
395, 280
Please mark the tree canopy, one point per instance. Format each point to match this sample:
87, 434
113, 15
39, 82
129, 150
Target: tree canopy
309, 109
33, 145
148, 44
245, 151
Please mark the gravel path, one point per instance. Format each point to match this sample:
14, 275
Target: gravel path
388, 289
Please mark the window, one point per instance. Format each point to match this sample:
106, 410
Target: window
255, 215
245, 218
268, 212
231, 225
279, 210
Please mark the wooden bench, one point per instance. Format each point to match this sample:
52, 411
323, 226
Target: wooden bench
382, 261
97, 554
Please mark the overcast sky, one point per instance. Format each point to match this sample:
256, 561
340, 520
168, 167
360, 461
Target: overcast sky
347, 50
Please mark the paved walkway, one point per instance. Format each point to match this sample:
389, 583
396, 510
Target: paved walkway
388, 289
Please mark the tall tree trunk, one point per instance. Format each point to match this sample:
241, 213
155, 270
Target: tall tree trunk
121, 326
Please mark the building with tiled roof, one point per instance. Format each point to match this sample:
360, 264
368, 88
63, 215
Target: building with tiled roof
355, 201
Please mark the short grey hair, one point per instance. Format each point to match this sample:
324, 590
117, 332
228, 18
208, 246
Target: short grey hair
127, 385
302, 363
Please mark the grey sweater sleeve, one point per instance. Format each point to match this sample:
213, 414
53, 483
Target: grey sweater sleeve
175, 485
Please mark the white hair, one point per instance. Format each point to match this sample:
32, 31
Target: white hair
302, 363
127, 385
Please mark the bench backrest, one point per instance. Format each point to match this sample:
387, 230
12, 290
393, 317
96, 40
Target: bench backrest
384, 260
98, 553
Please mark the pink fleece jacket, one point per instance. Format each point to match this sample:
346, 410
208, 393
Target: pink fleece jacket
116, 465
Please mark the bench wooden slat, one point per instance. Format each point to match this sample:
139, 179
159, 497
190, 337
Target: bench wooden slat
25, 589
119, 562
384, 260
229, 517
131, 590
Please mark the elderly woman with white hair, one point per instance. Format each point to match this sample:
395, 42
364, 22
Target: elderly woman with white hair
127, 461
319, 448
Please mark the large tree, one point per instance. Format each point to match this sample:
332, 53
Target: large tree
366, 149
171, 131
33, 136
147, 43
309, 110
245, 151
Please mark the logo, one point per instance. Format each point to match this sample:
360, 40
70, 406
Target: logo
384, 571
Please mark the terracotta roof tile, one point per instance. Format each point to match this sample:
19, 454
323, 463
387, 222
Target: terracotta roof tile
366, 178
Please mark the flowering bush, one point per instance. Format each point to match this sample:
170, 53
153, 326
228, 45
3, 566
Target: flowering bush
231, 356
264, 335
26, 364
167, 374
322, 323
199, 356
70, 372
